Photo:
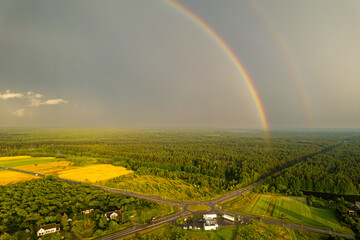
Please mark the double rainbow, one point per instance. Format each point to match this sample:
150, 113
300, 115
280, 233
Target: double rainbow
229, 53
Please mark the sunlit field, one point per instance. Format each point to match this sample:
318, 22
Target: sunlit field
58, 168
134, 119
13, 158
10, 177
48, 168
26, 163
178, 190
289, 209
16, 161
98, 172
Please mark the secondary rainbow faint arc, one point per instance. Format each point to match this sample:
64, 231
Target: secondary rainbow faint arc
230, 54
285, 52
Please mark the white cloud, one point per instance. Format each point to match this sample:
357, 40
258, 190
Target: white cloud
35, 100
9, 95
21, 113
35, 95
55, 101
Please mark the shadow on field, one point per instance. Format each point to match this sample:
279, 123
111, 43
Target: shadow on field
302, 219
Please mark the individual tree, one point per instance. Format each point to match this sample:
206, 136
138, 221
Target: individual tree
64, 222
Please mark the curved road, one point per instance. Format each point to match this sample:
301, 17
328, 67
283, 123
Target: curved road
184, 205
185, 212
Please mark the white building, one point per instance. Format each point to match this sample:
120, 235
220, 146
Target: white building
47, 229
228, 217
210, 222
209, 216
112, 215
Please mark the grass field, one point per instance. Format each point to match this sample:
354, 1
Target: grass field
253, 230
199, 207
153, 185
146, 214
48, 168
290, 209
17, 161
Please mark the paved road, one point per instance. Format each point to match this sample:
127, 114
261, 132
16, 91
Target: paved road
236, 193
247, 218
285, 224
141, 228
186, 212
17, 170
123, 192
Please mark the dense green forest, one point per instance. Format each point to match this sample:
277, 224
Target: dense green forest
215, 160
218, 159
336, 171
26, 205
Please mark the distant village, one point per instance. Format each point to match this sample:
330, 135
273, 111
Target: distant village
207, 222
55, 227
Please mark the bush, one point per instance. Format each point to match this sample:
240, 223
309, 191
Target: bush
50, 177
98, 233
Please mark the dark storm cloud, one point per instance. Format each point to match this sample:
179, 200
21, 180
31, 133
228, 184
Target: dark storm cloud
143, 63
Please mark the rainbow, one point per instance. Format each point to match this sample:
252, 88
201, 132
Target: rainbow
287, 58
229, 53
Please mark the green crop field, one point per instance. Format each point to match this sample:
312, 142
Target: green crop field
289, 209
296, 210
24, 160
253, 230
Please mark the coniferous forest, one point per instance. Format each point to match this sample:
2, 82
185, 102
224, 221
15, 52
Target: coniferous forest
336, 171
221, 160
216, 160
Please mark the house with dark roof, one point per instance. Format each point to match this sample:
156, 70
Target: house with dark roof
47, 229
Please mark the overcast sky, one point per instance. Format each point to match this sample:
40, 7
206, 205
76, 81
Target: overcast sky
143, 63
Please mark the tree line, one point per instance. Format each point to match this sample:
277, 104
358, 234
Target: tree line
217, 159
25, 206
336, 171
